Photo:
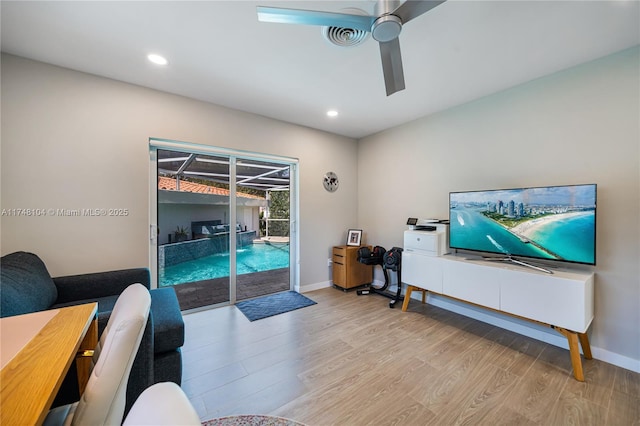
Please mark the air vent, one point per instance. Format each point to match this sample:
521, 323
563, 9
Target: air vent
346, 37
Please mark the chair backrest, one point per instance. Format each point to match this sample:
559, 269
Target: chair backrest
162, 404
103, 401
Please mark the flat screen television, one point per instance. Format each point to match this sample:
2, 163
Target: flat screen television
551, 223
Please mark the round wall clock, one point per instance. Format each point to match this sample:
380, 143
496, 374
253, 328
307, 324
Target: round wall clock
330, 182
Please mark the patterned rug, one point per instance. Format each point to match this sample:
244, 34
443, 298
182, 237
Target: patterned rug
274, 304
251, 420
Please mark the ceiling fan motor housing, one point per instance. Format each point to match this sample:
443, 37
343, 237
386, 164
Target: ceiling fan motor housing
386, 28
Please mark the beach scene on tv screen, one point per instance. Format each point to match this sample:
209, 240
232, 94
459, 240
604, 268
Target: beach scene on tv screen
548, 223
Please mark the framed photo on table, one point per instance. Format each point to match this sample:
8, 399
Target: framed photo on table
354, 236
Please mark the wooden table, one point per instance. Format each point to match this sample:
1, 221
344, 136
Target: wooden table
36, 353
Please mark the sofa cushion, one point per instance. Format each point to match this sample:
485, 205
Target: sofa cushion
99, 284
105, 306
168, 326
26, 285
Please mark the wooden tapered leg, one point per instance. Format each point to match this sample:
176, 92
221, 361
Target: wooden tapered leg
586, 347
574, 351
407, 297
576, 362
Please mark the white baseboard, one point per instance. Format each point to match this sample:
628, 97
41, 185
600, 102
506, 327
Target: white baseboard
311, 287
616, 359
317, 286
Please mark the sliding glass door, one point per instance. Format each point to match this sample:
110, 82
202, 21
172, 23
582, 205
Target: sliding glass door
223, 224
263, 259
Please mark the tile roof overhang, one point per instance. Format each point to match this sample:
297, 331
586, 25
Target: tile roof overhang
197, 193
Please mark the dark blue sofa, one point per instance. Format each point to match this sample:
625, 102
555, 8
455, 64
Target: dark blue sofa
26, 286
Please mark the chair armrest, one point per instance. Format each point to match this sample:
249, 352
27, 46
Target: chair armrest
99, 284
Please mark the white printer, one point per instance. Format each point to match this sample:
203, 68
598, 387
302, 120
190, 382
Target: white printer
428, 237
423, 243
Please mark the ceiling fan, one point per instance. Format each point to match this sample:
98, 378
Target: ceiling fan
385, 28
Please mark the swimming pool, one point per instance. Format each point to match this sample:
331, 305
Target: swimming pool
249, 259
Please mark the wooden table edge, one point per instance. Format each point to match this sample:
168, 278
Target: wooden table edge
31, 410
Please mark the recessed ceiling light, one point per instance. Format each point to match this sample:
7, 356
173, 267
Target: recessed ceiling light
157, 59
332, 113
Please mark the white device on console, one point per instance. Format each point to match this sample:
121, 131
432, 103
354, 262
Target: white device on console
428, 237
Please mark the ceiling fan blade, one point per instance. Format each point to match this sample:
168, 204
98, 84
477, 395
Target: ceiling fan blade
413, 8
392, 66
312, 17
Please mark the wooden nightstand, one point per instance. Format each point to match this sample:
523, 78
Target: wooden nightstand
347, 271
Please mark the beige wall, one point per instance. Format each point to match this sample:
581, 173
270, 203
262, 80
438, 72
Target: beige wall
72, 140
577, 126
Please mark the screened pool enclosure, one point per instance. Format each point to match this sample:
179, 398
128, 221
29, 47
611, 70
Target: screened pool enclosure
223, 225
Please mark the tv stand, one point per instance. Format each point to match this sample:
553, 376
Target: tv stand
518, 262
563, 301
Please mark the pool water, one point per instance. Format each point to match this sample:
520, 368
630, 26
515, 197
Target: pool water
249, 259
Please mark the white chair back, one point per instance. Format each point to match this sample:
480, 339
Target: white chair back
162, 404
103, 401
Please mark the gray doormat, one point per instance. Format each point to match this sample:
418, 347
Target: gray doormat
274, 304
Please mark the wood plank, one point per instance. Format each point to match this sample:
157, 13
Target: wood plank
574, 410
624, 409
537, 392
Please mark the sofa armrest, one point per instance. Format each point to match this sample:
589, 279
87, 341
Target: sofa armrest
99, 284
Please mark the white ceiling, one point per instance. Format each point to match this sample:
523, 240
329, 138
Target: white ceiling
218, 52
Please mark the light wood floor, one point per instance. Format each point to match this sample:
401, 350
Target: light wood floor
350, 360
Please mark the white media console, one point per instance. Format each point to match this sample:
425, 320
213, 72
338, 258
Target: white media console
562, 300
